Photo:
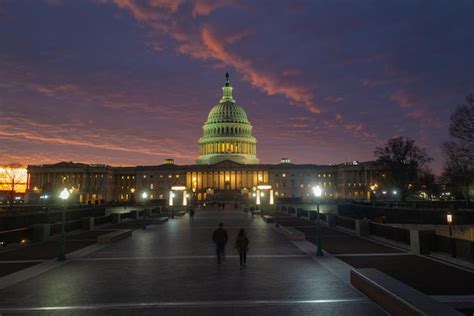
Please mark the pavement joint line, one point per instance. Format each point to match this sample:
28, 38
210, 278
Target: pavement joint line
223, 303
182, 257
24, 261
373, 254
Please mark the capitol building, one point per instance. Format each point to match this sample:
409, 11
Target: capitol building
227, 169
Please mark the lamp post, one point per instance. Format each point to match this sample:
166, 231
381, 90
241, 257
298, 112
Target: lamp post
64, 195
144, 196
449, 219
317, 193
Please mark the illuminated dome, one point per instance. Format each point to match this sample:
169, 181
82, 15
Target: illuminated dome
227, 133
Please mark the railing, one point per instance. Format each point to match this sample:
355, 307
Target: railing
389, 232
70, 226
15, 235
459, 248
100, 220
345, 222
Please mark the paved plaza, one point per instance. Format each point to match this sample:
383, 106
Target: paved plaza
171, 269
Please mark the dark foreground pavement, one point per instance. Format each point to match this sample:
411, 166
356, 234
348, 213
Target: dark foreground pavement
427, 275
171, 269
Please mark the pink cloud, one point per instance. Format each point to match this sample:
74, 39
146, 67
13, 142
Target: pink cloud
208, 46
206, 7
270, 84
404, 99
334, 99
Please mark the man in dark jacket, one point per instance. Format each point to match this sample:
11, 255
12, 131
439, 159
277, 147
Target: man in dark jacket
219, 237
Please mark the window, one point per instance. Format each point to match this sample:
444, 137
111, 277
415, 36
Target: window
284, 175
144, 176
151, 186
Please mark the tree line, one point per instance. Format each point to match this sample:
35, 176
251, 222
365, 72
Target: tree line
406, 165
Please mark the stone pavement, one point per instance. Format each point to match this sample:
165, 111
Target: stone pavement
171, 269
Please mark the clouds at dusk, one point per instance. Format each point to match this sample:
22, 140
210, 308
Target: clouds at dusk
129, 82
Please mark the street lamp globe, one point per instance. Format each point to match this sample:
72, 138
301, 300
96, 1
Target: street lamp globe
64, 195
317, 191
449, 218
144, 195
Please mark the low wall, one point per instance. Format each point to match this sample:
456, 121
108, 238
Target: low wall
405, 215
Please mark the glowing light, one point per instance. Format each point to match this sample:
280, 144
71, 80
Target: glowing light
13, 175
144, 195
132, 190
317, 191
264, 187
394, 192
64, 195
178, 188
449, 218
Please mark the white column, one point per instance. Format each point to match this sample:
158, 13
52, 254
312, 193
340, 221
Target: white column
171, 198
271, 197
258, 197
185, 200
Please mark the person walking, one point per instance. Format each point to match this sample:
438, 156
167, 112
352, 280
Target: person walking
219, 237
242, 246
191, 214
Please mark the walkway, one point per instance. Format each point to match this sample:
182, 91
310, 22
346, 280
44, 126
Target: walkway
171, 268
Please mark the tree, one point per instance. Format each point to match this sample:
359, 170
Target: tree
458, 173
427, 181
403, 162
12, 178
459, 167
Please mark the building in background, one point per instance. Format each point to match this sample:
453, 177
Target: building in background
227, 169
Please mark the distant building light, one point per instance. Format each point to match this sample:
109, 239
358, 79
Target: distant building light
285, 160
178, 188
169, 161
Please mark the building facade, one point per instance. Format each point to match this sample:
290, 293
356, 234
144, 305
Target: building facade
227, 169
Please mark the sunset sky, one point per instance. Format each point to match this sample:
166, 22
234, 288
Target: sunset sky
131, 82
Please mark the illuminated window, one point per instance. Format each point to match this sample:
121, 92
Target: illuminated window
301, 185
144, 176
319, 175
151, 186
128, 177
169, 176
284, 175
177, 176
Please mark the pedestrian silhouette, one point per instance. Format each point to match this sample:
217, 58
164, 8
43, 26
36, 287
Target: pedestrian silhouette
191, 214
242, 246
219, 237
